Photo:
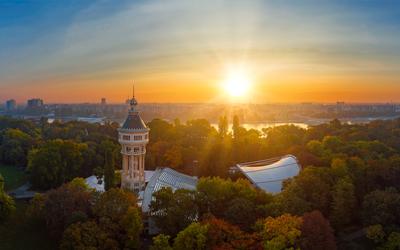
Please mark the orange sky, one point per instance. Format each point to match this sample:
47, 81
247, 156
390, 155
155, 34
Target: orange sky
284, 88
179, 51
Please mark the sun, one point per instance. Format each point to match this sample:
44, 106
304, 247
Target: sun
237, 84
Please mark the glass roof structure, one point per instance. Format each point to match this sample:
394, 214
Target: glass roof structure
269, 174
166, 177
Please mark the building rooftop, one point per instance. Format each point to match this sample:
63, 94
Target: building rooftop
166, 177
269, 174
134, 122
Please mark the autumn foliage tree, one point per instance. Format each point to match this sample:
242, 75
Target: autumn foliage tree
316, 232
63, 206
282, 232
115, 224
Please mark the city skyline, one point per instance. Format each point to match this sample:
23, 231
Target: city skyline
313, 51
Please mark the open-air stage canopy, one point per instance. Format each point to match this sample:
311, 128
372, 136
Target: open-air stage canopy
269, 174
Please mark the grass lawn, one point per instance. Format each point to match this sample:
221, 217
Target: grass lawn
19, 234
13, 176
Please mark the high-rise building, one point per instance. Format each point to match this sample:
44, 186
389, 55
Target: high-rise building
103, 101
34, 103
11, 105
133, 137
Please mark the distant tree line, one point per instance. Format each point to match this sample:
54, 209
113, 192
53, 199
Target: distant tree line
55, 153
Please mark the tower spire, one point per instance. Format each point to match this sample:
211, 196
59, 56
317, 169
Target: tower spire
133, 102
133, 88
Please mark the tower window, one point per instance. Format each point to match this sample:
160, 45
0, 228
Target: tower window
135, 149
128, 149
137, 137
126, 137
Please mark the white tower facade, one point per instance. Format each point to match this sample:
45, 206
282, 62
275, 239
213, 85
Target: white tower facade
133, 137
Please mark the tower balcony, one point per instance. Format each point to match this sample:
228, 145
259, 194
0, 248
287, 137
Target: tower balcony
133, 150
133, 138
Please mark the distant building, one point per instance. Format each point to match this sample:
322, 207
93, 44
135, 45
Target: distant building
133, 137
103, 101
34, 103
11, 105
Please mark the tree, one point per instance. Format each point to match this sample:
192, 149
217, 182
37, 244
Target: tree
315, 147
63, 206
332, 143
216, 196
282, 232
161, 242
7, 204
194, 237
117, 213
214, 159
381, 207
241, 212
236, 127
376, 233
173, 211
14, 147
222, 235
344, 203
316, 233
223, 126
87, 235
393, 242
173, 157
54, 163
109, 162
310, 190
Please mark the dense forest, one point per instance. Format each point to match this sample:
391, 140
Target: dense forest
346, 196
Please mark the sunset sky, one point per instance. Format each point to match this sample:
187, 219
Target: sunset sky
181, 51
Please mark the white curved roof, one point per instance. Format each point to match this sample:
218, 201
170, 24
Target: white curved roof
94, 183
268, 175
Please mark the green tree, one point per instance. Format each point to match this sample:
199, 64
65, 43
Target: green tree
109, 163
376, 233
54, 163
241, 212
7, 204
117, 213
87, 236
194, 237
14, 146
392, 243
310, 190
161, 242
344, 203
173, 211
381, 207
216, 196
